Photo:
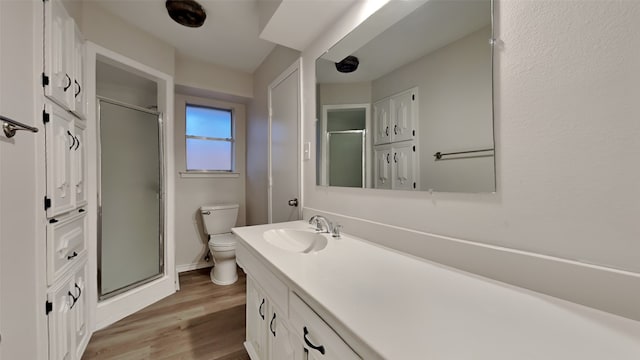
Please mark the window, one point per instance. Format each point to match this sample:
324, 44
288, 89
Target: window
209, 137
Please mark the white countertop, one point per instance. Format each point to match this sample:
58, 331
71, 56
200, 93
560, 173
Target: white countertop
408, 308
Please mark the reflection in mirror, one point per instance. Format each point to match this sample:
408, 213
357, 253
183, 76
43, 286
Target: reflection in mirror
411, 105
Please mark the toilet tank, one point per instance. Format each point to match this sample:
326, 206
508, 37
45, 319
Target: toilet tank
219, 218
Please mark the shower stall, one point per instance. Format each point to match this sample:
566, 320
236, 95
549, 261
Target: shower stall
130, 201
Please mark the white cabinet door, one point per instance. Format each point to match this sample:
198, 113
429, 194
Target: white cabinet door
59, 143
257, 305
79, 156
382, 171
404, 168
382, 122
58, 62
404, 113
60, 319
282, 344
80, 310
80, 101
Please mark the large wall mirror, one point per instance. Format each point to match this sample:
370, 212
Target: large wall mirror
405, 101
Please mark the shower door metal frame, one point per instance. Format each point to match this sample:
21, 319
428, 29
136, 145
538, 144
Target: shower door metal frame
161, 223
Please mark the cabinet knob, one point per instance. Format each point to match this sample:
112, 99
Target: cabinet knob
260, 309
79, 88
319, 348
273, 331
69, 82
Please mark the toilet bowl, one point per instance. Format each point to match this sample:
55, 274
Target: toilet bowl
218, 219
223, 251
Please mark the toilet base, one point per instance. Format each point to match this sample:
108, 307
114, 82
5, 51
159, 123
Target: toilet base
224, 274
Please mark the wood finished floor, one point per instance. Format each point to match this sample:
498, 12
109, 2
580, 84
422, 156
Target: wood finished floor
202, 321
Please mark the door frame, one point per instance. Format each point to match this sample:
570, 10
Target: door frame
106, 312
296, 66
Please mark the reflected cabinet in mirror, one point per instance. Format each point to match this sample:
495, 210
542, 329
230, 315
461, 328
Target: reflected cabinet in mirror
405, 101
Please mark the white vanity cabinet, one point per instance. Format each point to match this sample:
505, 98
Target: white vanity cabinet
395, 118
66, 161
257, 306
273, 332
67, 315
319, 340
62, 78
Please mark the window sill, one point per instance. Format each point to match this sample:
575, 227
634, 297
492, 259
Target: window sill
193, 174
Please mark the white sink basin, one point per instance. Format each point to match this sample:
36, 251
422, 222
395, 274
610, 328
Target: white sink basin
294, 240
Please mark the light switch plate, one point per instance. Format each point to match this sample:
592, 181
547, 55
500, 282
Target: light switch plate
307, 150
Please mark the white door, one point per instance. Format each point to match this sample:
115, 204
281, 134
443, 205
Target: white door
284, 149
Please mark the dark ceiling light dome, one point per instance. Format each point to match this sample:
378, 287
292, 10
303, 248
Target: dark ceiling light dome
186, 12
348, 64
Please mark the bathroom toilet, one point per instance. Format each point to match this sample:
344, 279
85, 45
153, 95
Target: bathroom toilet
218, 221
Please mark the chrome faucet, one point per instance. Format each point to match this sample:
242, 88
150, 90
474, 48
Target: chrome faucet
325, 226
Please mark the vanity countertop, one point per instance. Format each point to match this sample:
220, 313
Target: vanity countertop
404, 307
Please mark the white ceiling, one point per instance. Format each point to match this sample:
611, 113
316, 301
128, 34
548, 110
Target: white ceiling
230, 35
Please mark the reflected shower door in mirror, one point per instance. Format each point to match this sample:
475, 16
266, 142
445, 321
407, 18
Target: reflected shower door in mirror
345, 161
424, 70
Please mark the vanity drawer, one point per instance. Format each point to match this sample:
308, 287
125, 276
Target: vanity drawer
275, 289
65, 243
318, 337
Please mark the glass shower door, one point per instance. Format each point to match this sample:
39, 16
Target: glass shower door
131, 218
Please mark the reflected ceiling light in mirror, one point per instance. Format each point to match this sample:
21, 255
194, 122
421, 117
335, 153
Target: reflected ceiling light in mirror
348, 64
186, 12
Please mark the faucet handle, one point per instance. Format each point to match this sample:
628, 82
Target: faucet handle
336, 230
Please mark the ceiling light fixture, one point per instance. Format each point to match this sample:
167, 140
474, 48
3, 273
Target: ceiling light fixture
186, 12
348, 64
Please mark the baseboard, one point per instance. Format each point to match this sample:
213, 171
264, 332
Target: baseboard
192, 266
607, 289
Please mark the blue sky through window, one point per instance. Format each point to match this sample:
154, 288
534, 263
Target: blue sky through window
208, 122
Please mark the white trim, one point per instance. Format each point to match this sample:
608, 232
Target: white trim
111, 310
193, 266
189, 174
296, 66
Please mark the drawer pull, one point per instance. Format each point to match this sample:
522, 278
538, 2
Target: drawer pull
69, 257
75, 299
273, 331
319, 348
260, 309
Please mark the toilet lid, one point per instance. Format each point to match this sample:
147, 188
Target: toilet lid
223, 240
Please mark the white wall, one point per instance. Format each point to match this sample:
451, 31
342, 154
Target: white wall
348, 93
211, 77
566, 135
454, 113
257, 130
22, 218
120, 85
191, 193
111, 32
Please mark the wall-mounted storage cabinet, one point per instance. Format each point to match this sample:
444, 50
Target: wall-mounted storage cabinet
395, 117
395, 124
396, 166
66, 186
63, 63
66, 161
67, 315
